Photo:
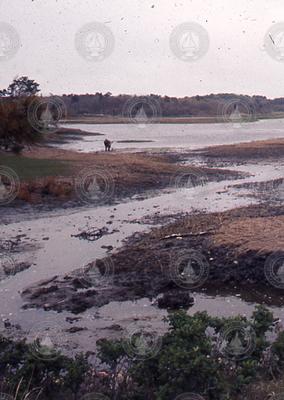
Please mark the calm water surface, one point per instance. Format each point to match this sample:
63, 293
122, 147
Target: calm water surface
175, 136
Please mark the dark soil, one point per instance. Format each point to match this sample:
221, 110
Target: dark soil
146, 266
262, 149
270, 191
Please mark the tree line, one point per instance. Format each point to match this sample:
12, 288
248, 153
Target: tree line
25, 115
195, 106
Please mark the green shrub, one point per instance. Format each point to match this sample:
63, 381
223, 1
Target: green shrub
189, 360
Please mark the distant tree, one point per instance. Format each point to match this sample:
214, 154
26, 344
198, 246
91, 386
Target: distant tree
207, 105
75, 101
15, 128
21, 87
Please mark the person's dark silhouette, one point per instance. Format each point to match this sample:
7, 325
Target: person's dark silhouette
107, 144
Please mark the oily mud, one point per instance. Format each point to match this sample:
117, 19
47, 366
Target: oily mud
148, 264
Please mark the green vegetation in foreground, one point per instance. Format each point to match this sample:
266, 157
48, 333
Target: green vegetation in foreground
29, 168
187, 360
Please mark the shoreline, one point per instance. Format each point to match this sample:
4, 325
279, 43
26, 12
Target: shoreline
129, 173
108, 119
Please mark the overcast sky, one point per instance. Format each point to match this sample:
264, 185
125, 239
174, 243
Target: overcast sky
142, 61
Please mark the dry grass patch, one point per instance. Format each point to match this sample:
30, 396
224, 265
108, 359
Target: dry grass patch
255, 149
257, 234
273, 390
131, 172
255, 228
43, 189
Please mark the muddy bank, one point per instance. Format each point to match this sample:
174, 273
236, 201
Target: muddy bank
263, 149
117, 176
232, 248
123, 175
66, 135
271, 191
109, 119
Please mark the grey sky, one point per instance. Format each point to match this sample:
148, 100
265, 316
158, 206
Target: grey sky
142, 61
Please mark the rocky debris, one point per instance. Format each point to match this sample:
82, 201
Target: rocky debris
155, 219
175, 300
10, 268
71, 320
8, 325
180, 236
269, 191
18, 244
35, 293
93, 234
7, 245
75, 329
116, 327
109, 248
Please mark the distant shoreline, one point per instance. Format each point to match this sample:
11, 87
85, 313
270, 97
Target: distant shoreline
107, 119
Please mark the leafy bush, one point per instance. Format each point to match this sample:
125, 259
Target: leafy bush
18, 364
15, 128
189, 360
